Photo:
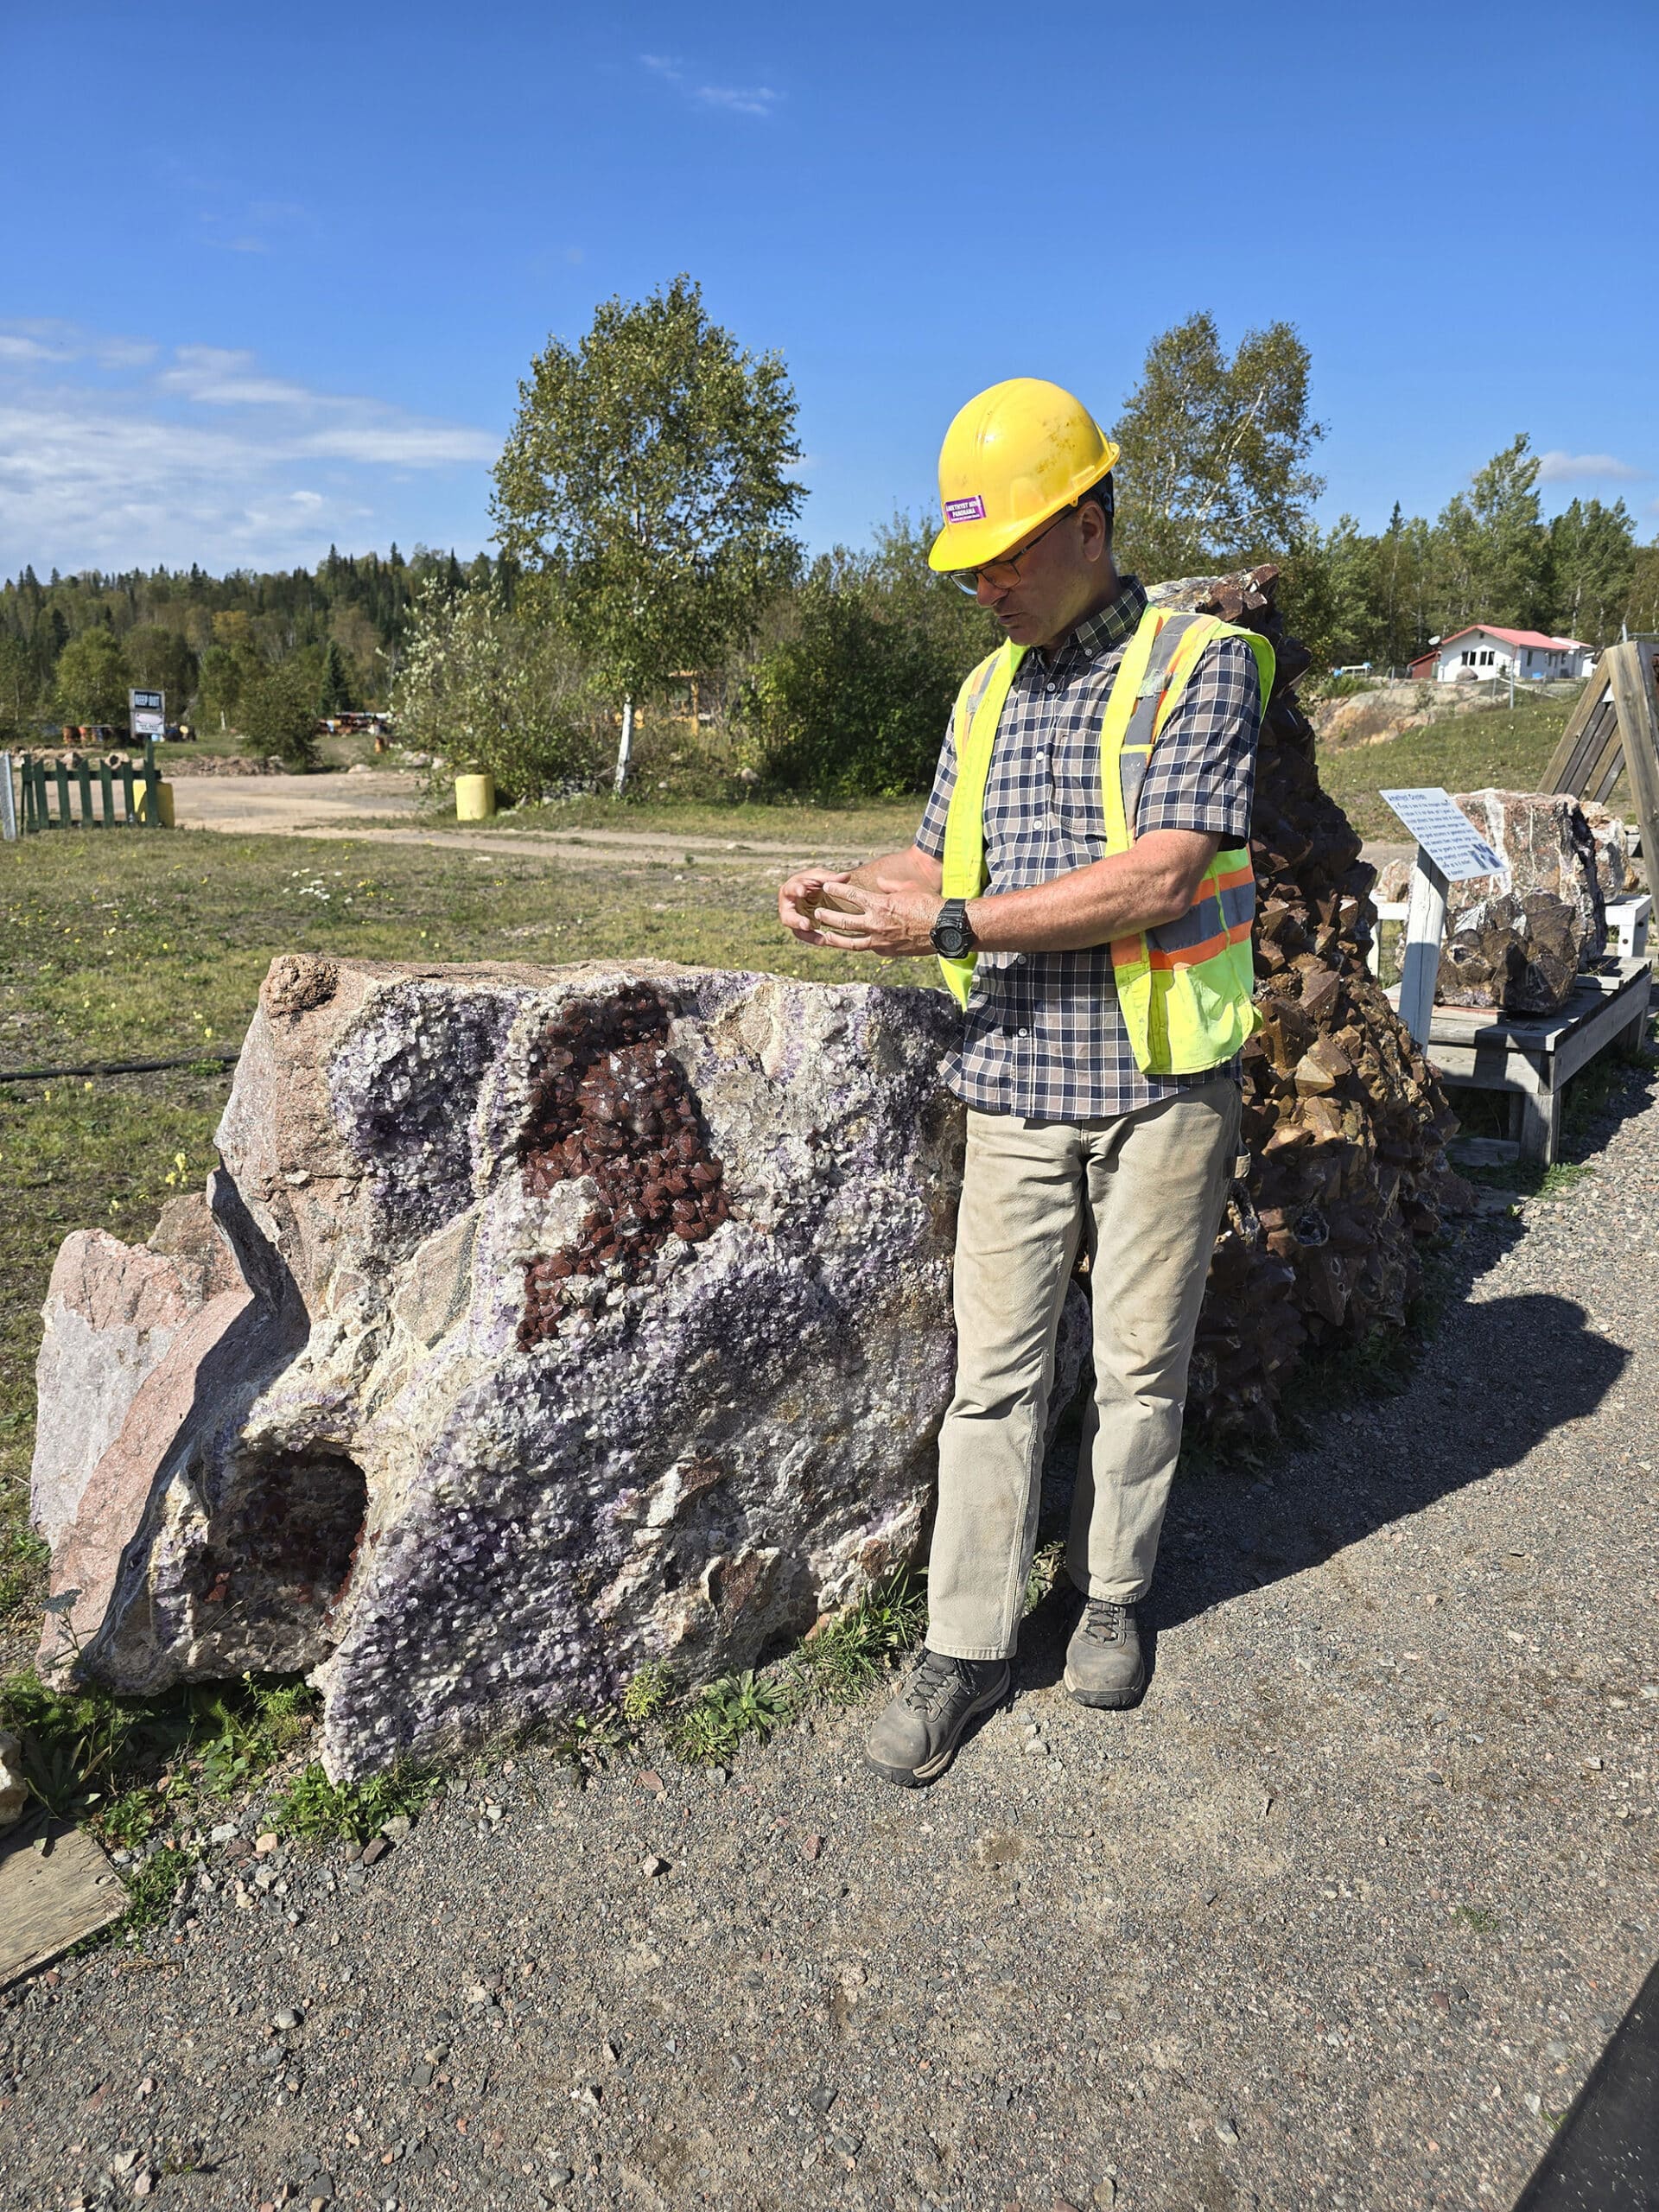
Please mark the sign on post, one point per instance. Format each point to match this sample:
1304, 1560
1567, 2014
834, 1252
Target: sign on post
1450, 849
147, 715
8, 803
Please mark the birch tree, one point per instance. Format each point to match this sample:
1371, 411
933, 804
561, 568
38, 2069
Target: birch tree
1215, 463
643, 488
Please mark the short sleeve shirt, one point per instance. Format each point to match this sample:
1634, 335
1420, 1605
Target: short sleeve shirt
1042, 1035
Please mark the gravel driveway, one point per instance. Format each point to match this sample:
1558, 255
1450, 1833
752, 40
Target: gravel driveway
1338, 1918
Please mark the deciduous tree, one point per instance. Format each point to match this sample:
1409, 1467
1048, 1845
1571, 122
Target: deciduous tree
1493, 545
158, 659
278, 715
1215, 460
92, 679
486, 689
643, 482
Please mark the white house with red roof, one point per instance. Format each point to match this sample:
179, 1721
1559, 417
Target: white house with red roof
1483, 653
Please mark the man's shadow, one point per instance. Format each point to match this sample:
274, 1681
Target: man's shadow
1498, 1377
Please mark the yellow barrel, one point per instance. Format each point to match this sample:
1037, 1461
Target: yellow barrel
163, 801
475, 798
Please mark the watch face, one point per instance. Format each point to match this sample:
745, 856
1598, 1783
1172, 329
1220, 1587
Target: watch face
953, 940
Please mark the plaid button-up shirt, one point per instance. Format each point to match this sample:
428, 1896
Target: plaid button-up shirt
1043, 1034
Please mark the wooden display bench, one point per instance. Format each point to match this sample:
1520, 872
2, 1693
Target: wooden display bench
1533, 1056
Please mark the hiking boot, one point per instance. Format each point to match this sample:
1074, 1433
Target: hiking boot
1103, 1665
913, 1739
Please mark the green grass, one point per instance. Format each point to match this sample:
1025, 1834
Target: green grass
1462, 753
836, 1663
316, 1811
130, 1768
858, 824
117, 948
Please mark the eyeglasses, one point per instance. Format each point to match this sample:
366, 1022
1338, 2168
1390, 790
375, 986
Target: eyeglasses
1002, 576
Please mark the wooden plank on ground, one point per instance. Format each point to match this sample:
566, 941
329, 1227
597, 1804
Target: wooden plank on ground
50, 1900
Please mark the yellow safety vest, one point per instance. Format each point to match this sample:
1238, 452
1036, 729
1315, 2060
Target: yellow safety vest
1186, 990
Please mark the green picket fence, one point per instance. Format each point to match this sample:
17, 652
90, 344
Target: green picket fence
85, 794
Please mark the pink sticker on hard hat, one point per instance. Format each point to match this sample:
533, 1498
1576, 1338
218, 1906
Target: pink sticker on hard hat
965, 509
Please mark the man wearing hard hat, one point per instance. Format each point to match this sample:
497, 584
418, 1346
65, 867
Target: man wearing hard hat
1082, 873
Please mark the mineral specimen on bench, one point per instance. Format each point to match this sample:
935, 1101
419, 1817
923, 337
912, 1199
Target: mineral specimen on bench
1519, 953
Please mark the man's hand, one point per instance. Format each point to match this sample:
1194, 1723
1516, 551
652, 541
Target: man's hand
893, 876
794, 903
894, 924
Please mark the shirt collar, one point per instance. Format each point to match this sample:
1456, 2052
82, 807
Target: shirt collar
1109, 626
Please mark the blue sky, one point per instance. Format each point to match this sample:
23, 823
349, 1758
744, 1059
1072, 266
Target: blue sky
270, 276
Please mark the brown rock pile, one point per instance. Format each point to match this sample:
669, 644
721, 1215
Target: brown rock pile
1343, 1120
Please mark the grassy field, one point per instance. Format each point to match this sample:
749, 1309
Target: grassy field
1465, 752
128, 947
864, 825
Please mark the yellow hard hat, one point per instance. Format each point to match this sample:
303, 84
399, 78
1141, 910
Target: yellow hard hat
1014, 456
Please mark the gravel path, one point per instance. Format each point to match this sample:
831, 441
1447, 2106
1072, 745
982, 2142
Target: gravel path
1337, 1919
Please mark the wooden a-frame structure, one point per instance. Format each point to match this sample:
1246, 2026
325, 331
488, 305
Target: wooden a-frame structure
1614, 726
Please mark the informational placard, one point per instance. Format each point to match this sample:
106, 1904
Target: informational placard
1446, 833
146, 714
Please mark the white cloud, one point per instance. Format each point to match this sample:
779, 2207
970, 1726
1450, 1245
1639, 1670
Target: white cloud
741, 99
221, 377
735, 99
43, 341
1557, 468
112, 454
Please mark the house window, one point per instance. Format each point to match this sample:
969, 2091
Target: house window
1487, 657
1467, 659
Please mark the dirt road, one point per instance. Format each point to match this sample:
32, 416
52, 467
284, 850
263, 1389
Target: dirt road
367, 807
383, 806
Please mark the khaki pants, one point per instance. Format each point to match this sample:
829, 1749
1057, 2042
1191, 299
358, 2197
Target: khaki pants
1146, 1190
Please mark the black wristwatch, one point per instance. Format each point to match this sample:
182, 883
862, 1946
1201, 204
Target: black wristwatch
952, 934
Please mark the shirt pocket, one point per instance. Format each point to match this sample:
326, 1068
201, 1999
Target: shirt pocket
1079, 813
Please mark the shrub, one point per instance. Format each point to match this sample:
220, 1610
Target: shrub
278, 715
850, 698
492, 689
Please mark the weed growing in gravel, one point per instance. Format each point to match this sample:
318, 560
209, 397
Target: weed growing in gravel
151, 1888
841, 1659
72, 1741
586, 1742
318, 1811
651, 1693
715, 1721
253, 1731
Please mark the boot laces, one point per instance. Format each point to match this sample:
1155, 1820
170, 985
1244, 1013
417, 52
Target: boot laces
937, 1677
1103, 1619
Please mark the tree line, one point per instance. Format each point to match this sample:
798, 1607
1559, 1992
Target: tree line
223, 649
644, 512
